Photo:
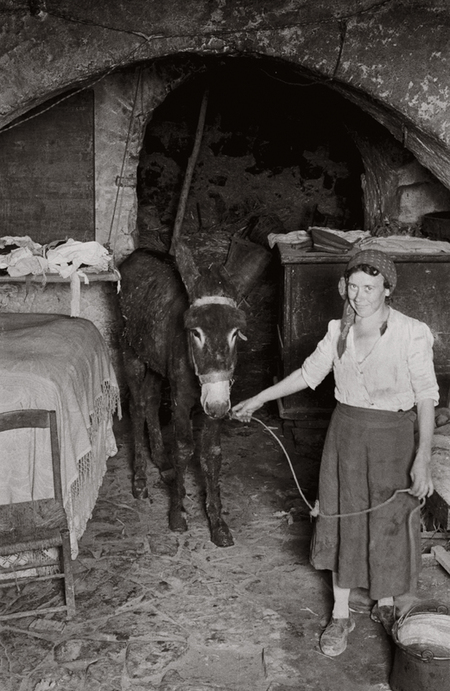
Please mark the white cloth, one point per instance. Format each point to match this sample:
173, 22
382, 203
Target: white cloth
397, 373
404, 244
295, 237
22, 261
57, 363
30, 258
65, 259
20, 241
69, 256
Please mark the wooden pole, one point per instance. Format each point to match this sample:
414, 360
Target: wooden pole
188, 176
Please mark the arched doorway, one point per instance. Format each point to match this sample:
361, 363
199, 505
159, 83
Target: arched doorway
274, 142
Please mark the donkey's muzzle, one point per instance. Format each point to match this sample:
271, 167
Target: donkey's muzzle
215, 395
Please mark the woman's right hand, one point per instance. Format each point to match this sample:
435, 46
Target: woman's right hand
244, 410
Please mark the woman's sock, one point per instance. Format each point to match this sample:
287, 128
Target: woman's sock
386, 601
341, 598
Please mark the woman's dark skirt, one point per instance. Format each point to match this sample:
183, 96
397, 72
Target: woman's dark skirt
367, 456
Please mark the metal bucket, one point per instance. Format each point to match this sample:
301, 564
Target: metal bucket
422, 650
436, 225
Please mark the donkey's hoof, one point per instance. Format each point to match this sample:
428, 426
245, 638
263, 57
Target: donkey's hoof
177, 522
168, 475
140, 489
222, 536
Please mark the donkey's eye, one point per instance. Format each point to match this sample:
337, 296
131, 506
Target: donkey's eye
196, 333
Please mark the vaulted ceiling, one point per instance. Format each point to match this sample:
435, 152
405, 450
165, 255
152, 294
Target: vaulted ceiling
391, 58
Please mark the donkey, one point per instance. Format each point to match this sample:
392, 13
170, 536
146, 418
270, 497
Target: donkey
180, 324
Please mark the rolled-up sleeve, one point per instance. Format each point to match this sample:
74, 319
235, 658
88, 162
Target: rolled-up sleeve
320, 363
420, 364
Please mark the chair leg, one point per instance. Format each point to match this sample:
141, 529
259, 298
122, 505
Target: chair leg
69, 586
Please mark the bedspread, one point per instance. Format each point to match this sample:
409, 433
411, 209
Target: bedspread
57, 363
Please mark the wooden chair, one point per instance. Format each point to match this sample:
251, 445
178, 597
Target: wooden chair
39, 524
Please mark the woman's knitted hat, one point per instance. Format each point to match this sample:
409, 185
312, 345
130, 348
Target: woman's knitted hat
379, 260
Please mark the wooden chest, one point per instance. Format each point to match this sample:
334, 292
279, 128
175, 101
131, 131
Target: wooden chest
311, 300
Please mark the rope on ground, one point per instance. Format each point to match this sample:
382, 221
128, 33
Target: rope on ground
314, 510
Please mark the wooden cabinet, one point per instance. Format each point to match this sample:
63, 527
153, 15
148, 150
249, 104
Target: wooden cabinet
311, 300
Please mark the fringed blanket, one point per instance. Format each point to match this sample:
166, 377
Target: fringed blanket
57, 363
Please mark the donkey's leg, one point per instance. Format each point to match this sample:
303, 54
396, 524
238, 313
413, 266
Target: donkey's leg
210, 455
182, 453
152, 396
135, 372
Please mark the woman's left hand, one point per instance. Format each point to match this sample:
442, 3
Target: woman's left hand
422, 484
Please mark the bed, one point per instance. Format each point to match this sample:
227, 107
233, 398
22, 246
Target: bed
60, 363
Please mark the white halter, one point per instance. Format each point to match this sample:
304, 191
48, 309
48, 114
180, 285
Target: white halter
214, 300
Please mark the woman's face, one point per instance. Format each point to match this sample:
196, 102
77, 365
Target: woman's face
366, 293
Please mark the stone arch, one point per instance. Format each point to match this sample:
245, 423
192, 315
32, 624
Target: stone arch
389, 59
117, 93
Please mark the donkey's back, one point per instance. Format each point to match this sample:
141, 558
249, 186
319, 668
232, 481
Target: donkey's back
153, 301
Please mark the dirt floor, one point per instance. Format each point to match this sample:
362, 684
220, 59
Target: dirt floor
173, 612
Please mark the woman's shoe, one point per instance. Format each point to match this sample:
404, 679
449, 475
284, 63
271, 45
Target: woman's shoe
384, 615
360, 601
333, 640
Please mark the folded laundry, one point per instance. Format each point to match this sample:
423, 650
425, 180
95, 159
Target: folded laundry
21, 262
70, 259
336, 241
405, 244
14, 241
351, 241
295, 237
69, 256
28, 257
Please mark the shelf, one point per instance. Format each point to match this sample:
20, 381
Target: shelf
56, 278
293, 255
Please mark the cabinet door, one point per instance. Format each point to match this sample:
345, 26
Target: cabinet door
311, 300
422, 292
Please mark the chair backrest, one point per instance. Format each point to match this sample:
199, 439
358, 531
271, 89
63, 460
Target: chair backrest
32, 418
40, 538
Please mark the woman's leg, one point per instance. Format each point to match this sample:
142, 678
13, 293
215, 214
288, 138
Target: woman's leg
333, 640
341, 598
384, 613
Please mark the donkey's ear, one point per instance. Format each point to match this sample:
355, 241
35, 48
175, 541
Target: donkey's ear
186, 266
245, 264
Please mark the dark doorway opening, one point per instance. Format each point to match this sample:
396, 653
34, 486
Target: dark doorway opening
273, 141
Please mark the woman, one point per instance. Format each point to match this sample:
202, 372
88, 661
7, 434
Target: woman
382, 362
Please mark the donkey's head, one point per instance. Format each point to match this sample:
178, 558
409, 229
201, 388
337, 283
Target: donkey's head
214, 323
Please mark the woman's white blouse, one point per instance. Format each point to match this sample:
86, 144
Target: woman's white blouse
396, 374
